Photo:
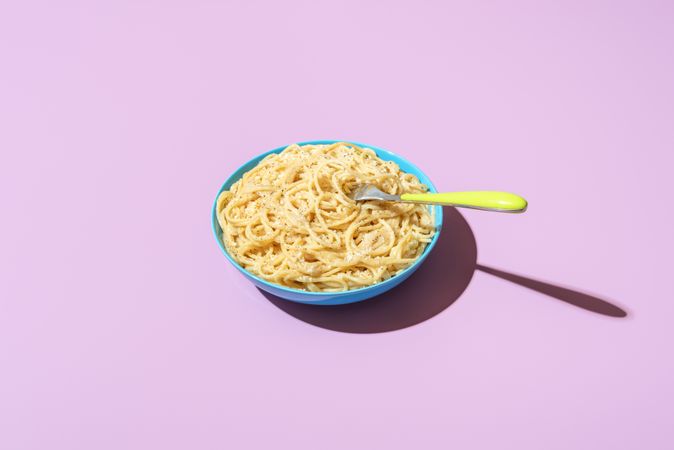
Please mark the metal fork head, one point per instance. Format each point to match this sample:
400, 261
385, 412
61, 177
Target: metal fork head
370, 192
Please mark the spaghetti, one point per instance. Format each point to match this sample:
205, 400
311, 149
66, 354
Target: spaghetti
290, 219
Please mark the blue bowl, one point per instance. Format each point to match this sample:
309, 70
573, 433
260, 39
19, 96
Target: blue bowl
330, 298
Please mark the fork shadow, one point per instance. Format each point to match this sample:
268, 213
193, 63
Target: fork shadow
570, 296
436, 285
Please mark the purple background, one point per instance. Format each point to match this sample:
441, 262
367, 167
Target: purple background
123, 327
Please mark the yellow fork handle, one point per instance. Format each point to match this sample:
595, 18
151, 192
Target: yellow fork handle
486, 200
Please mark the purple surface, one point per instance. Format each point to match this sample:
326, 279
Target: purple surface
123, 327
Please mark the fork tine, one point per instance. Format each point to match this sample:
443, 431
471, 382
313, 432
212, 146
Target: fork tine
371, 192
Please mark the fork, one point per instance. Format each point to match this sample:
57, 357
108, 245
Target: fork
483, 200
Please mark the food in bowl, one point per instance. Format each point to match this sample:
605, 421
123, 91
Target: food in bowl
291, 222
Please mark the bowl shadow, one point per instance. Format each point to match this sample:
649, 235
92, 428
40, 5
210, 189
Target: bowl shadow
435, 286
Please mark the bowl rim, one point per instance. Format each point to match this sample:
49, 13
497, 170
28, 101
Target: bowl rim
318, 295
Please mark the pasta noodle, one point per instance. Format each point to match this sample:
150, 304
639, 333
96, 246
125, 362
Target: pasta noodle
290, 219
